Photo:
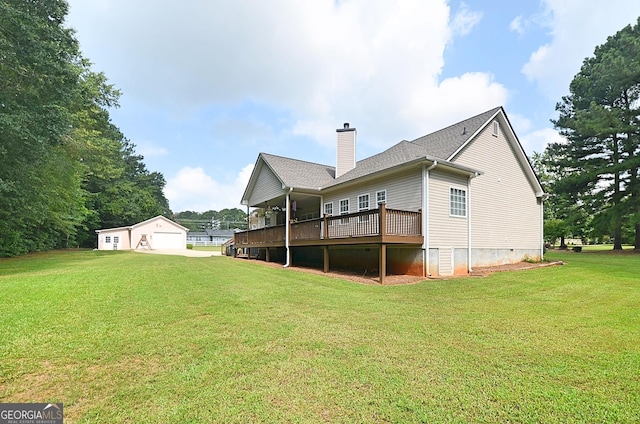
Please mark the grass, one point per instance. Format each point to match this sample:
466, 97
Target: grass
125, 337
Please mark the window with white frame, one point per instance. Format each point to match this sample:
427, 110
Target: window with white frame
457, 202
328, 211
116, 239
363, 205
107, 239
344, 209
328, 208
381, 197
363, 202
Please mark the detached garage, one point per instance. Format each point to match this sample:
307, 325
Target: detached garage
157, 233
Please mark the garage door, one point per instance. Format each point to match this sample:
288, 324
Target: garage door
167, 241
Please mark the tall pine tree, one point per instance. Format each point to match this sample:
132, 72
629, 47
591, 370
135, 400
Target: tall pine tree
599, 119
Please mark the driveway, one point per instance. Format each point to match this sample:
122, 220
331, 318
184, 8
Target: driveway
183, 252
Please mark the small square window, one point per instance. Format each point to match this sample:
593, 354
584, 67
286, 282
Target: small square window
107, 239
381, 197
116, 239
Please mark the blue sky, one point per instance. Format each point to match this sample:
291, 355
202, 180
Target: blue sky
207, 85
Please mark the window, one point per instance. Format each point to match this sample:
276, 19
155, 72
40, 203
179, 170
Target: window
381, 197
496, 128
363, 202
344, 209
116, 239
363, 205
457, 202
328, 209
107, 239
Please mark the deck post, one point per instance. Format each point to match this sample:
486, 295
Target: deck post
267, 255
325, 258
383, 262
382, 219
326, 226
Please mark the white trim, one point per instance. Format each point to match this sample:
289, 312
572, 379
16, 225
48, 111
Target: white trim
425, 214
473, 136
324, 208
340, 209
364, 218
368, 201
469, 268
287, 229
385, 196
466, 212
541, 228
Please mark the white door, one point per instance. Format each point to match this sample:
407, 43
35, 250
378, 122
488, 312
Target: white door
167, 241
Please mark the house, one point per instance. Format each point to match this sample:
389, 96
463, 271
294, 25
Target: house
209, 237
157, 233
461, 197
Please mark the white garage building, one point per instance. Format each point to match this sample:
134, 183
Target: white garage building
157, 233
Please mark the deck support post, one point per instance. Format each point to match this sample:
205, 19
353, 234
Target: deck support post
267, 257
383, 262
325, 258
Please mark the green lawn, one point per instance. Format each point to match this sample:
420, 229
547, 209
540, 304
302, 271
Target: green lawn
126, 337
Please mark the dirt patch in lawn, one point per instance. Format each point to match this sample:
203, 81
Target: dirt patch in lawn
483, 271
406, 279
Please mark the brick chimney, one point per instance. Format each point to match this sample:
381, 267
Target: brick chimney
345, 150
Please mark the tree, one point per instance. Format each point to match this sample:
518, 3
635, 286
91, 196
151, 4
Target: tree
65, 169
599, 119
40, 196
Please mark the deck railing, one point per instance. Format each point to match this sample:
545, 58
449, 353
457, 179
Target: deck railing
353, 225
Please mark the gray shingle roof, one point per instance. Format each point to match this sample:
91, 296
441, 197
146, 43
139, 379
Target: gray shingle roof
438, 145
299, 173
445, 142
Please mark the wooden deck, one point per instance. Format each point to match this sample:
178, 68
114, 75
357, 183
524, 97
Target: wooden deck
377, 226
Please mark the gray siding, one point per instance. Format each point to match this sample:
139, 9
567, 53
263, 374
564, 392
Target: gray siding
505, 212
445, 231
267, 187
404, 191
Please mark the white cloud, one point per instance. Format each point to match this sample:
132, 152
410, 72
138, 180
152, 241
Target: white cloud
517, 25
537, 141
323, 62
148, 148
192, 189
310, 65
576, 28
464, 20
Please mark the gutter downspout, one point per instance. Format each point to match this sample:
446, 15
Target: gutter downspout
286, 228
425, 215
543, 197
469, 268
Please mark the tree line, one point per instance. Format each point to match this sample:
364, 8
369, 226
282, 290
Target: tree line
225, 219
593, 177
65, 168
